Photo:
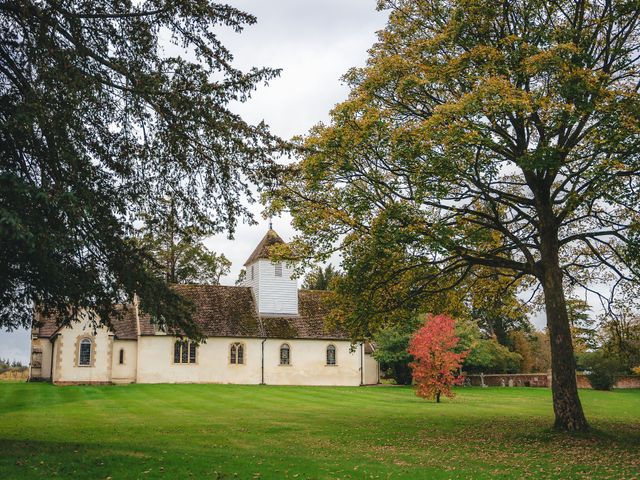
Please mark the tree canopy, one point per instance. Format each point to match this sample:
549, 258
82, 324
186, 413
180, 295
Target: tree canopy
483, 135
178, 254
320, 278
107, 109
436, 359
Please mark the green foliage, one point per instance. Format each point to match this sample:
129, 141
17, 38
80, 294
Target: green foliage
521, 344
601, 369
583, 329
620, 332
491, 357
321, 279
242, 276
99, 124
179, 256
198, 265
486, 355
496, 307
391, 350
541, 351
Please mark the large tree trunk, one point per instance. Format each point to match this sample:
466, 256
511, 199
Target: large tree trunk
566, 403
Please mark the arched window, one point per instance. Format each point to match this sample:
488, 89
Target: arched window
121, 356
285, 354
331, 355
84, 355
184, 352
236, 355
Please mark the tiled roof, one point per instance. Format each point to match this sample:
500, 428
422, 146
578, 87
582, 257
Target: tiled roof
225, 311
262, 250
123, 324
44, 326
221, 311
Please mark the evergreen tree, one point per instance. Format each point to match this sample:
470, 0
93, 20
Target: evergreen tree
99, 123
320, 279
178, 254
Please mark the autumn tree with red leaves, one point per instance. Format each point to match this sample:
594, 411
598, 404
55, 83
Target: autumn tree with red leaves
435, 359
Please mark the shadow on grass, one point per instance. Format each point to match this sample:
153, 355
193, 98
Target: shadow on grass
42, 459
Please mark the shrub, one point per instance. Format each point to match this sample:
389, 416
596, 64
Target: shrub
601, 369
391, 351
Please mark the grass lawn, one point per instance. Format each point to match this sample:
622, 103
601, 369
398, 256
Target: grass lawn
230, 431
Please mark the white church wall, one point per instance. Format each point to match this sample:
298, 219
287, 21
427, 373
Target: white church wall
66, 364
370, 370
155, 362
276, 294
150, 360
308, 363
124, 372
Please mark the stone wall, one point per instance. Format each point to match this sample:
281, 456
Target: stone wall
628, 381
513, 380
542, 380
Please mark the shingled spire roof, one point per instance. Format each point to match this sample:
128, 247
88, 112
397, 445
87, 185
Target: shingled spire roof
262, 250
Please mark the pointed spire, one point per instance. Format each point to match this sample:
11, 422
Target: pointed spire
262, 250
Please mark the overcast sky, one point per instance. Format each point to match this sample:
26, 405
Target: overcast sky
314, 42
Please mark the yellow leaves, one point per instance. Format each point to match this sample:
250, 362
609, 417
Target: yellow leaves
553, 58
460, 121
480, 61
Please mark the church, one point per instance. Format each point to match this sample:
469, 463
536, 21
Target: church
264, 331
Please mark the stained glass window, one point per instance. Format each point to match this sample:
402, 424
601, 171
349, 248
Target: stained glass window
331, 355
240, 354
192, 353
234, 356
184, 352
284, 354
176, 351
85, 353
237, 354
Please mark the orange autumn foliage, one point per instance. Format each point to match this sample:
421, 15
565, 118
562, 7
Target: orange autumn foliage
435, 359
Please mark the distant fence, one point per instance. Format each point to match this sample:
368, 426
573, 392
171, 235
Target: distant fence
14, 374
540, 380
